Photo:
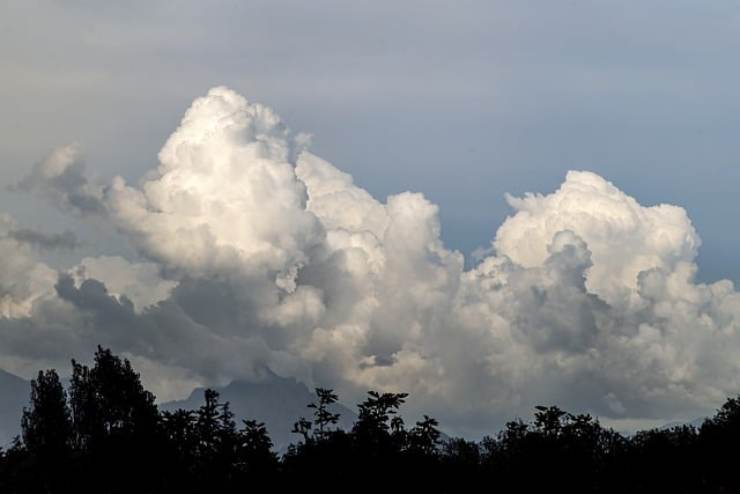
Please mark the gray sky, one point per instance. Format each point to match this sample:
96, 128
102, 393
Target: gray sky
462, 101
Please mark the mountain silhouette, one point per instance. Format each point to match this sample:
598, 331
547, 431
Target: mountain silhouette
276, 401
14, 393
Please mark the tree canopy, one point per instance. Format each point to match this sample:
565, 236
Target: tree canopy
105, 434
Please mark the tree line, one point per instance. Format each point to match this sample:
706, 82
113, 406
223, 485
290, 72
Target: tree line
105, 434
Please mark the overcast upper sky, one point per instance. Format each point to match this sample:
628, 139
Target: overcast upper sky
461, 101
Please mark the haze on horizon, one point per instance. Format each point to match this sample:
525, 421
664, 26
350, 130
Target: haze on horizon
210, 246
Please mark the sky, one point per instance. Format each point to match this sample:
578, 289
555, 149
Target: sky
463, 102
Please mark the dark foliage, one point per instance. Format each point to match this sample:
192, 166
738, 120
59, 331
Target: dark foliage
107, 436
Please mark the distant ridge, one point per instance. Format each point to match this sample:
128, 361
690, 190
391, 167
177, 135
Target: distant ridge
276, 401
14, 395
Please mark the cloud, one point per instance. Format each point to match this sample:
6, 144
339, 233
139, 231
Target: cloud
624, 237
225, 195
61, 178
22, 279
65, 240
141, 283
260, 255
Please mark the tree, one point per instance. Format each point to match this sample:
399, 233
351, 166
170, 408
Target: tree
46, 431
424, 437
217, 440
373, 431
115, 427
548, 420
46, 424
255, 449
180, 434
323, 417
377, 409
109, 400
303, 427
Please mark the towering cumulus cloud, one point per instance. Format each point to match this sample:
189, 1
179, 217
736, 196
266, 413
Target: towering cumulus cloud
257, 254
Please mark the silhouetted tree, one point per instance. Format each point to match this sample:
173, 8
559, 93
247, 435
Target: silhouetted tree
303, 427
424, 437
115, 425
548, 420
182, 442
46, 424
373, 423
323, 417
109, 400
255, 455
46, 430
716, 447
111, 438
217, 440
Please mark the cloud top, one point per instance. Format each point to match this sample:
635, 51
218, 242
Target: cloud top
624, 237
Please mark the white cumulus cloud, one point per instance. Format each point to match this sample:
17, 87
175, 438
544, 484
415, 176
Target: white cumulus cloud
260, 254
